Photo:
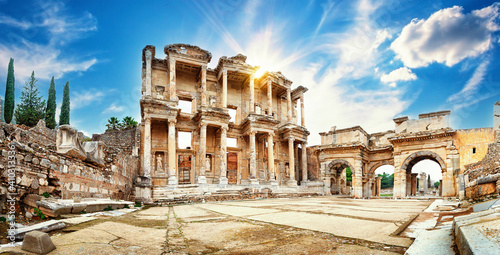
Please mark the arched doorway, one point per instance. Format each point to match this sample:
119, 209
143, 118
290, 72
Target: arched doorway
412, 167
337, 174
386, 174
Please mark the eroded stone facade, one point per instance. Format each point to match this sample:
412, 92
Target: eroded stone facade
243, 130
428, 137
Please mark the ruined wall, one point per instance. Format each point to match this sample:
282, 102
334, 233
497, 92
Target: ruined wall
425, 122
472, 144
312, 164
124, 140
483, 178
39, 168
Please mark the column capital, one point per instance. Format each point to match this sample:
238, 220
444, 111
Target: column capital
170, 121
224, 127
291, 138
171, 60
203, 124
203, 67
147, 120
252, 132
270, 133
224, 71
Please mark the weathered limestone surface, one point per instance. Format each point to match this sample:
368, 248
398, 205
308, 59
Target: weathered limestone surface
68, 142
95, 152
38, 242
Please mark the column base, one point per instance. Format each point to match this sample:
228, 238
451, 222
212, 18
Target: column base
291, 183
273, 182
172, 181
223, 181
202, 180
254, 181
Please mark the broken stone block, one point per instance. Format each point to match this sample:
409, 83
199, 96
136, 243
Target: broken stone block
95, 152
78, 208
45, 162
31, 199
68, 142
35, 161
45, 226
38, 242
53, 209
53, 159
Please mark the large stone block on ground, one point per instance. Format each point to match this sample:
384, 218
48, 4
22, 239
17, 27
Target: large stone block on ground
31, 199
68, 142
480, 190
95, 152
54, 209
38, 242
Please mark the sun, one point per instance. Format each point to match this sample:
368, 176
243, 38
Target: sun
260, 72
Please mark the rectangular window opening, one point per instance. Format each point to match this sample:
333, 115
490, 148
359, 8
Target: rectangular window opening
184, 140
232, 113
232, 142
185, 105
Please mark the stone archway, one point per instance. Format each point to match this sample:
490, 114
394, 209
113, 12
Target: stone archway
414, 158
405, 186
337, 176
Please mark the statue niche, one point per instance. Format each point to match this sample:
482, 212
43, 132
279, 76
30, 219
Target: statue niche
159, 167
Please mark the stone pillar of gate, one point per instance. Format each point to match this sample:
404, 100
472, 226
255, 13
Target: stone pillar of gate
172, 153
379, 186
414, 184
357, 179
408, 184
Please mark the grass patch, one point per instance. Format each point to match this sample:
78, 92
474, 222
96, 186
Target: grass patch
386, 195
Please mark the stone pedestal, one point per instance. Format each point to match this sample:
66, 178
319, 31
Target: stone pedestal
254, 181
292, 183
202, 180
143, 190
222, 181
172, 181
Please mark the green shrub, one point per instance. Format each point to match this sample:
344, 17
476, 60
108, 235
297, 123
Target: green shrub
3, 219
46, 194
137, 204
109, 208
39, 213
126, 206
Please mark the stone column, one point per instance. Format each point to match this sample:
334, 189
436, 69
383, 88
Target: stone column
147, 148
408, 184
357, 179
172, 153
379, 185
172, 87
302, 113
289, 104
223, 153
414, 184
269, 96
403, 185
291, 160
148, 72
252, 93
204, 85
253, 159
270, 158
304, 164
224, 88
203, 153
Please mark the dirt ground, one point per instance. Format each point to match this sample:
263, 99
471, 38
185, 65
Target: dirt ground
270, 226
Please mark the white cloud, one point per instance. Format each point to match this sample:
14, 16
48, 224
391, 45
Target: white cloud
50, 20
114, 108
400, 74
82, 99
448, 36
469, 94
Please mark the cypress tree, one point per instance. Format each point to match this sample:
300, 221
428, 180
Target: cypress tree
9, 93
64, 116
32, 107
50, 113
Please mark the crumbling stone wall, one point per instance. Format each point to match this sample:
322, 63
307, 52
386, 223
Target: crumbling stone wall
39, 168
124, 140
483, 178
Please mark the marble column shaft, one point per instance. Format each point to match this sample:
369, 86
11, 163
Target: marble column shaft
270, 156
223, 153
302, 113
147, 148
289, 105
291, 157
304, 162
203, 85
269, 97
172, 152
148, 72
253, 156
252, 93
224, 88
203, 149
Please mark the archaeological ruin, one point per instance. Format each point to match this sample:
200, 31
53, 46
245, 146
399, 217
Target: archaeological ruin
230, 132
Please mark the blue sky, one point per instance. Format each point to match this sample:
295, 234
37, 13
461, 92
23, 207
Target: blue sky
364, 62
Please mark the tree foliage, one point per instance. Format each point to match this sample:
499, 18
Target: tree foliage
429, 181
9, 93
387, 180
128, 123
64, 116
436, 184
50, 112
113, 124
348, 174
32, 107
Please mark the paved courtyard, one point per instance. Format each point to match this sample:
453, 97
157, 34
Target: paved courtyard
317, 225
